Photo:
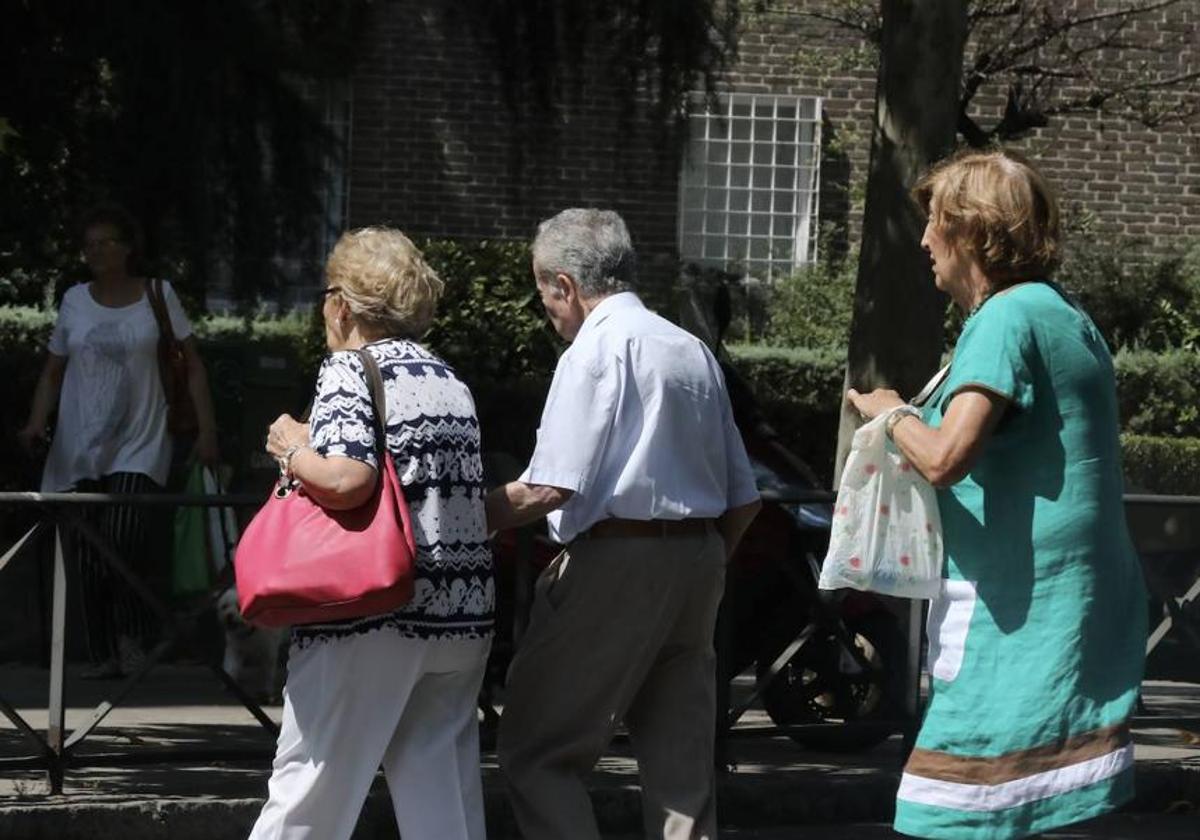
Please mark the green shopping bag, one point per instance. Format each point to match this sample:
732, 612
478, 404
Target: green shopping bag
191, 571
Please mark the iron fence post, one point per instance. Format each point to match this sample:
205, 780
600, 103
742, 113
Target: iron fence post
55, 730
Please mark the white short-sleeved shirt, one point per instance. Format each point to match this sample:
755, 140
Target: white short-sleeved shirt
638, 424
112, 414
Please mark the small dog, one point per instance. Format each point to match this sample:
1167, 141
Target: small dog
252, 654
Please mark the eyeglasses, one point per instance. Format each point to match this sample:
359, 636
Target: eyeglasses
326, 292
102, 242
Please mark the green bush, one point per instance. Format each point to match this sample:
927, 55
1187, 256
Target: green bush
1159, 393
490, 327
24, 328
810, 378
1138, 299
812, 308
1161, 465
490, 322
799, 391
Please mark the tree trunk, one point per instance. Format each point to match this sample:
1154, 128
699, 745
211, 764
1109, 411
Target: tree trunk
896, 331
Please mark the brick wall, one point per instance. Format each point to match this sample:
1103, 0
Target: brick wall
434, 150
784, 52
1130, 179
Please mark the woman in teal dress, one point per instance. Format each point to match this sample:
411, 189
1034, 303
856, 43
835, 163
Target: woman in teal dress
1036, 641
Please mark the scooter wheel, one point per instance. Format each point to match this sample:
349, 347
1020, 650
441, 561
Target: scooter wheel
822, 684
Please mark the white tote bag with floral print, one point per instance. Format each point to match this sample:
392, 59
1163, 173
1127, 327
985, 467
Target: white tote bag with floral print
887, 534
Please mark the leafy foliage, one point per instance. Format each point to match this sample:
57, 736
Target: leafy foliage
1045, 59
544, 49
799, 391
1159, 393
490, 323
810, 378
1161, 464
1158, 398
813, 307
1137, 299
191, 114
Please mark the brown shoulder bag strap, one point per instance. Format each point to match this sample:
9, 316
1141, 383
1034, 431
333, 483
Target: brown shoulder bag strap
378, 402
159, 305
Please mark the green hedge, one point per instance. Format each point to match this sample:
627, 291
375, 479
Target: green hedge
490, 321
493, 330
1158, 394
490, 327
808, 377
25, 328
1162, 465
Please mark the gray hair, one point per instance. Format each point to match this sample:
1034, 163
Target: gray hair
589, 245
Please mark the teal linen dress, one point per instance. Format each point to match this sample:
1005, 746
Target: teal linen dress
1037, 638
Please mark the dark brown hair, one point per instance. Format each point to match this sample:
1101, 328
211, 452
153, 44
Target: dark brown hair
123, 222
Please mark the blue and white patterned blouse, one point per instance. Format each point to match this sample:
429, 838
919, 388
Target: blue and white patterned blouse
433, 438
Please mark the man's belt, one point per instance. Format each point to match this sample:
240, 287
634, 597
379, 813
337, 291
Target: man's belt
634, 528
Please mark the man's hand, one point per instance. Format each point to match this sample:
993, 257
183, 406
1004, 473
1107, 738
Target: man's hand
732, 525
517, 503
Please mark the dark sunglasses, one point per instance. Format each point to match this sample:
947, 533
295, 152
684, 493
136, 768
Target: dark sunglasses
326, 292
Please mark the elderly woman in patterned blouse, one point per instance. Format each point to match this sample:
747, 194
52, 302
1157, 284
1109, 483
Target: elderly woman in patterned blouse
397, 689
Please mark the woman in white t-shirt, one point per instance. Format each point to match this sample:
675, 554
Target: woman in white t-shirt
102, 374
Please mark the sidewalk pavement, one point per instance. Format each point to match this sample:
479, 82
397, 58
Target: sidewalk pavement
775, 782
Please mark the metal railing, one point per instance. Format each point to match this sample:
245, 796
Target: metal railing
56, 751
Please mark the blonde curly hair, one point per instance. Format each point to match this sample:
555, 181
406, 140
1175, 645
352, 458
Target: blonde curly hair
997, 207
385, 281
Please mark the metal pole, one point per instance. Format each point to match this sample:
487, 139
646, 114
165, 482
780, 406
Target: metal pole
55, 729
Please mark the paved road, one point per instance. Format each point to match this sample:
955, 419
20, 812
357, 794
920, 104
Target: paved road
1122, 827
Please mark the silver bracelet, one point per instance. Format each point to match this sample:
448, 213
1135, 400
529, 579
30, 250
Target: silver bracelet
285, 460
896, 415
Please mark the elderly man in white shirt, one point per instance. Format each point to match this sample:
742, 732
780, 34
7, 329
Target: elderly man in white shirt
642, 475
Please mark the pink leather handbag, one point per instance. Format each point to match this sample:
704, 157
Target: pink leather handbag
300, 563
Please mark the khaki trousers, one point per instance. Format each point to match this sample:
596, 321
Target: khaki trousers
620, 629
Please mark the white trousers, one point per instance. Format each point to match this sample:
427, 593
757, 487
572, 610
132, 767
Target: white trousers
352, 704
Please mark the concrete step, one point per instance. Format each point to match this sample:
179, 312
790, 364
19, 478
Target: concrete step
750, 803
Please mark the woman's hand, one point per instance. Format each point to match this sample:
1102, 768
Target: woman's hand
336, 482
285, 433
875, 403
206, 450
31, 437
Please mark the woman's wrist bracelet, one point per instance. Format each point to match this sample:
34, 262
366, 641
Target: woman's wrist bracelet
285, 460
897, 414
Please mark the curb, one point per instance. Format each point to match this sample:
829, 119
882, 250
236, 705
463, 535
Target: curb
750, 800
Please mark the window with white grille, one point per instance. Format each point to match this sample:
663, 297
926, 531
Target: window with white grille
748, 190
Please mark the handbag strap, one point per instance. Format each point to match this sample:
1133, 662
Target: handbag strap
159, 305
378, 402
931, 386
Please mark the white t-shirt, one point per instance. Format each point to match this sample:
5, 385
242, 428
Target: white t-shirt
112, 414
